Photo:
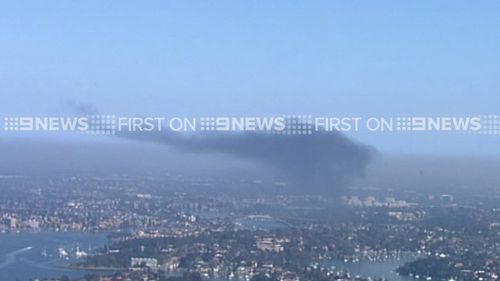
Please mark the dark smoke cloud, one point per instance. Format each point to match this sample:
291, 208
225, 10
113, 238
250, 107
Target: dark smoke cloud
321, 162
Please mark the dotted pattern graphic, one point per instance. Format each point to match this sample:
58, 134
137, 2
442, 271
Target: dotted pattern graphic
403, 124
490, 125
208, 124
297, 125
101, 125
11, 123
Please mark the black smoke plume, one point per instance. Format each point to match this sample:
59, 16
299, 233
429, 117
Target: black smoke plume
324, 162
320, 162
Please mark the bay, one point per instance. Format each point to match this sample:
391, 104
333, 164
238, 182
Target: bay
29, 256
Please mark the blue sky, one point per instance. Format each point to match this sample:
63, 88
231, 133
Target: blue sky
194, 58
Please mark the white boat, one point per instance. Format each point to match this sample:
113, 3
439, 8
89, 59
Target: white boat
62, 253
79, 253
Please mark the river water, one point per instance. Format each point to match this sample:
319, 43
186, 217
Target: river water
25, 256
374, 269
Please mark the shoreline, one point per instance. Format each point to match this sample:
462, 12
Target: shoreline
92, 268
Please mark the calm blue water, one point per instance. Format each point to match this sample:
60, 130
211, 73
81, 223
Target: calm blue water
20, 262
379, 269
